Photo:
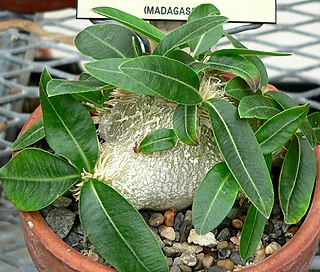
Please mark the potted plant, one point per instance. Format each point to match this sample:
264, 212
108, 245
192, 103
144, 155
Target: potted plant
161, 131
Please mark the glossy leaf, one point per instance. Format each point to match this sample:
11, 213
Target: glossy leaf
105, 41
255, 60
158, 140
209, 39
251, 232
314, 120
108, 71
218, 189
188, 32
185, 124
287, 102
60, 86
238, 88
247, 52
95, 98
109, 219
297, 180
239, 66
132, 22
256, 106
166, 77
31, 136
275, 132
68, 127
34, 178
181, 56
241, 153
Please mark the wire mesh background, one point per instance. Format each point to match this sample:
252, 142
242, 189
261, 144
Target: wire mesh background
27, 49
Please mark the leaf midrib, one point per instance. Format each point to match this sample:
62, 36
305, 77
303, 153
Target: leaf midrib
252, 229
157, 141
186, 124
19, 143
42, 179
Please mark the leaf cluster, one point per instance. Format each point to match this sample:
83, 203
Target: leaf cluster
247, 131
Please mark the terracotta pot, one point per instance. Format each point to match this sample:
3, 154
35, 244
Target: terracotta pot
50, 253
29, 6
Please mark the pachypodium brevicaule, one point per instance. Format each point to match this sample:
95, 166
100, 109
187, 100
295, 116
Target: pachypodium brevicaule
164, 130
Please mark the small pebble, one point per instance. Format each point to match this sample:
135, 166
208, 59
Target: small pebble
224, 235
167, 242
281, 240
189, 259
235, 257
169, 218
61, 221
93, 256
277, 224
62, 202
185, 268
228, 264
183, 247
224, 253
178, 221
169, 261
293, 229
207, 261
231, 246
167, 232
177, 261
272, 248
185, 228
159, 240
216, 269
235, 240
208, 239
222, 244
259, 255
156, 219
175, 269
73, 239
226, 223
237, 223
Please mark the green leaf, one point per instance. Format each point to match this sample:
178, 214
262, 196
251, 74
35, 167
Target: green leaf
166, 77
181, 56
118, 231
238, 88
188, 32
251, 232
314, 120
132, 22
89, 79
275, 132
34, 178
68, 127
105, 41
31, 136
158, 140
218, 189
287, 102
247, 52
60, 86
185, 124
297, 180
241, 153
209, 39
108, 71
94, 98
239, 66
255, 60
256, 106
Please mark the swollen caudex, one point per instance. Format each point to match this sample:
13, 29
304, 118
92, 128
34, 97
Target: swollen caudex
160, 180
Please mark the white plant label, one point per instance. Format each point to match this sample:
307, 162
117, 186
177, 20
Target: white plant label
255, 11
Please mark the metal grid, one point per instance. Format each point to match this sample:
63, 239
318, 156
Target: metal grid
297, 31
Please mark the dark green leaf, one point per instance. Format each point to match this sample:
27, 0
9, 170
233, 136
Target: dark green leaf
218, 189
166, 77
68, 127
247, 52
275, 132
158, 140
241, 153
118, 231
181, 56
257, 106
314, 120
251, 232
31, 136
89, 79
238, 88
198, 67
297, 179
209, 39
108, 71
268, 158
255, 60
185, 124
132, 22
34, 178
94, 98
105, 41
287, 102
188, 32
239, 66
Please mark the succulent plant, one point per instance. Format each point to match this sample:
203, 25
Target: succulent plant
164, 130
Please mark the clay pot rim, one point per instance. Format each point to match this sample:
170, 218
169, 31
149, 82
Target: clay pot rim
308, 231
